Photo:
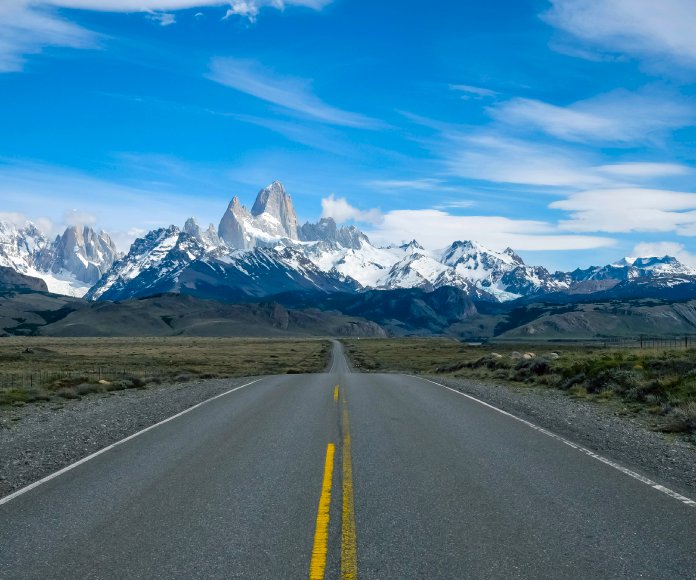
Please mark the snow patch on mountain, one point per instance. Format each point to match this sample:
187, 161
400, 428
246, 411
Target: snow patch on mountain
70, 264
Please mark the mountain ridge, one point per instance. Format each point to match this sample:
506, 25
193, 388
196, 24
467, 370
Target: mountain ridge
264, 251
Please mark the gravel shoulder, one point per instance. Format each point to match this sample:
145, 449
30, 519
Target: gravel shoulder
668, 460
38, 439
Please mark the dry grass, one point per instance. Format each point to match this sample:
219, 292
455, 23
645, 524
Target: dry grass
659, 383
42, 368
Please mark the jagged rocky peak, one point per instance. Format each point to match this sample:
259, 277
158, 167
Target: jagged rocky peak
326, 230
209, 237
514, 255
82, 252
412, 246
272, 218
274, 202
232, 226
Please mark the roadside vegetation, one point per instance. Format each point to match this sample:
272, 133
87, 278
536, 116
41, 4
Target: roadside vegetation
657, 384
44, 369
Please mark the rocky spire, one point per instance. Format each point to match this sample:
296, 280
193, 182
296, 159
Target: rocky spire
272, 217
232, 226
275, 202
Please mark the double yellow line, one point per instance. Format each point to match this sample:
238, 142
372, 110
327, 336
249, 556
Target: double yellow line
349, 563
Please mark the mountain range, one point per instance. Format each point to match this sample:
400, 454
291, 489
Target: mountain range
257, 253
70, 264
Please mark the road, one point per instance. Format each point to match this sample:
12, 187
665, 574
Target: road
393, 475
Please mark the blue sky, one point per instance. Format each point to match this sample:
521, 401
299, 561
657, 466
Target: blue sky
562, 128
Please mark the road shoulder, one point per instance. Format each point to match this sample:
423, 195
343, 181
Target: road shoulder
39, 439
669, 460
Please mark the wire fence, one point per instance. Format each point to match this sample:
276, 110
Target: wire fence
659, 342
39, 378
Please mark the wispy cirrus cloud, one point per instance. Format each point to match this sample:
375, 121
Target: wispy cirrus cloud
642, 28
472, 92
496, 158
30, 26
644, 170
620, 117
27, 28
292, 94
151, 5
422, 184
624, 210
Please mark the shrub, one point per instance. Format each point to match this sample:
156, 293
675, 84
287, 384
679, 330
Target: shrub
682, 419
540, 366
136, 383
68, 393
87, 388
574, 380
616, 379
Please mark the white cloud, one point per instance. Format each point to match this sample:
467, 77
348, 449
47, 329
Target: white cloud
293, 94
28, 29
250, 8
76, 217
29, 26
637, 27
456, 204
470, 91
436, 229
500, 159
618, 117
164, 18
424, 184
660, 249
20, 220
13, 217
644, 170
245, 8
630, 210
153, 5
341, 211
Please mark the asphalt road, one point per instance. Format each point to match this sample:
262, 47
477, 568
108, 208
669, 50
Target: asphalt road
441, 487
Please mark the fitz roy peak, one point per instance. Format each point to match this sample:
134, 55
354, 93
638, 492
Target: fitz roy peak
271, 217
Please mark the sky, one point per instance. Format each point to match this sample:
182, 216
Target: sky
564, 129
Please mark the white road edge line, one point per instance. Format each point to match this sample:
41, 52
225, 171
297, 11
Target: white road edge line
609, 462
109, 447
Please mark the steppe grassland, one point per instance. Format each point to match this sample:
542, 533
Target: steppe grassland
34, 369
659, 384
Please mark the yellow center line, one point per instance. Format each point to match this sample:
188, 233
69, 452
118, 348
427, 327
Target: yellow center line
336, 393
349, 554
317, 566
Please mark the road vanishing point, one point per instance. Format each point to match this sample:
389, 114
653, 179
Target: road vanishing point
346, 475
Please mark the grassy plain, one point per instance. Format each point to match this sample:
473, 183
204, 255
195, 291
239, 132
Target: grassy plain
35, 369
656, 383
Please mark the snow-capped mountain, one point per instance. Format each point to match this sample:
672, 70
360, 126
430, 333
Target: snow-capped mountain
70, 264
634, 268
171, 260
271, 218
263, 251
